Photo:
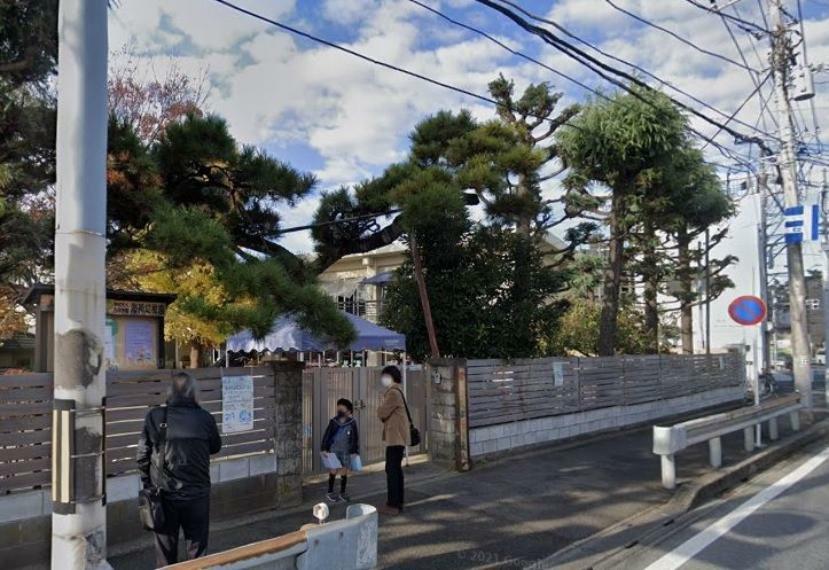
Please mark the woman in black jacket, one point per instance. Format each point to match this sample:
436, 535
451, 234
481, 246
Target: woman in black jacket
341, 438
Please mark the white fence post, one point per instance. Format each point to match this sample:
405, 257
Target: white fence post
748, 436
773, 432
715, 452
668, 472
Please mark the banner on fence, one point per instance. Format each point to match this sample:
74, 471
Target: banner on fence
237, 403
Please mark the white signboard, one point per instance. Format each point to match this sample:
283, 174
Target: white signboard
558, 373
237, 403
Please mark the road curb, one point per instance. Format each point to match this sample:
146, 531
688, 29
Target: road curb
608, 547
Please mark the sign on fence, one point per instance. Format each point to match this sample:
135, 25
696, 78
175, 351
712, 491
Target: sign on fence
237, 403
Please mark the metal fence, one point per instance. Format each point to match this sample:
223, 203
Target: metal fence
322, 387
501, 392
26, 419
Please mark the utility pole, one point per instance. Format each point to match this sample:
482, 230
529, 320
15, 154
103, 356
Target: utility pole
707, 291
780, 63
424, 296
762, 246
825, 221
78, 446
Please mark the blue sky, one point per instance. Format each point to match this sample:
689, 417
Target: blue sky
345, 120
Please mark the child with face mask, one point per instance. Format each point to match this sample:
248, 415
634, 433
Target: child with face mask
343, 440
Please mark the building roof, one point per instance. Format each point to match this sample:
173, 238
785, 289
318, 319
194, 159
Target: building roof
36, 291
394, 247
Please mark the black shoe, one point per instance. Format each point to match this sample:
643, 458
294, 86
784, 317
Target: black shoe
333, 497
345, 497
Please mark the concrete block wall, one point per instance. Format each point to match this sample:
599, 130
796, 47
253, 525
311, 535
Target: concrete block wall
500, 438
448, 442
288, 430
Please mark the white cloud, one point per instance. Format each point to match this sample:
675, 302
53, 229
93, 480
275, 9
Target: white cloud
274, 89
208, 25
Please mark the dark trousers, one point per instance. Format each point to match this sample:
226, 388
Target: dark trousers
193, 518
394, 475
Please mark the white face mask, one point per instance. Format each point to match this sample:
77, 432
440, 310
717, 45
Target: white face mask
386, 380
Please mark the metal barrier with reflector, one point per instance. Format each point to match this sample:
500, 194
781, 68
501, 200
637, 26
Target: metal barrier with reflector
64, 457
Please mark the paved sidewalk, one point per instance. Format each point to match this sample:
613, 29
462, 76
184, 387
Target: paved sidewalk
504, 514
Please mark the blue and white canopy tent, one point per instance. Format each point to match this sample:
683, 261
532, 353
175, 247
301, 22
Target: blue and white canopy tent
287, 336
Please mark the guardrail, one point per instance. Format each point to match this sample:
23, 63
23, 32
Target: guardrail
348, 544
669, 440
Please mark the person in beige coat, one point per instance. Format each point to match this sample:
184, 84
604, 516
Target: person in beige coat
392, 412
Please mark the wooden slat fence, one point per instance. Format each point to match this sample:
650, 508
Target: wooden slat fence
26, 408
502, 392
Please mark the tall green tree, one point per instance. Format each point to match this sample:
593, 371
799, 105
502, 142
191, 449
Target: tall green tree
508, 159
614, 145
219, 204
697, 202
492, 291
28, 58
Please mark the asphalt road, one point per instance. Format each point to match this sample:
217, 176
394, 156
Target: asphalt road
778, 521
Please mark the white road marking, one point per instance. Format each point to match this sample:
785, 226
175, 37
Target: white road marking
696, 544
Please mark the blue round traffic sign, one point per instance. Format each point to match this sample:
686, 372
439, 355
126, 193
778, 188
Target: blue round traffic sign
747, 310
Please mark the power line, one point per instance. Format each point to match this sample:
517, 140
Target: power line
729, 16
680, 38
751, 40
422, 77
740, 108
357, 54
579, 55
566, 32
592, 90
339, 221
723, 150
507, 48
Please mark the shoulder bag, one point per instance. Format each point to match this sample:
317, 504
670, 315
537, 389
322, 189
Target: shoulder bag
150, 507
414, 433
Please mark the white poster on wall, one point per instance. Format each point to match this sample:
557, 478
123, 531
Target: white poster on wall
237, 403
558, 374
109, 341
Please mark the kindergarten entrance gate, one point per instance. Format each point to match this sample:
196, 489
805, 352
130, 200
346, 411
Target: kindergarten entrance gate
322, 387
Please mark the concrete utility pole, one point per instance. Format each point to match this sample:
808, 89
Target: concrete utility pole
707, 291
824, 215
78, 477
781, 61
762, 246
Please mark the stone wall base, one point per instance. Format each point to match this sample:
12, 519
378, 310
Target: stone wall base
497, 439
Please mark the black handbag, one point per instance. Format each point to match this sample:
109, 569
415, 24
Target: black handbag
414, 433
150, 507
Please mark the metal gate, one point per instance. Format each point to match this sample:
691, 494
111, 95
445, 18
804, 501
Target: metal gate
322, 387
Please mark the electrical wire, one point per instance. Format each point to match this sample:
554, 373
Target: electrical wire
589, 62
753, 43
507, 48
357, 54
726, 152
740, 108
676, 36
730, 17
568, 33
642, 70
